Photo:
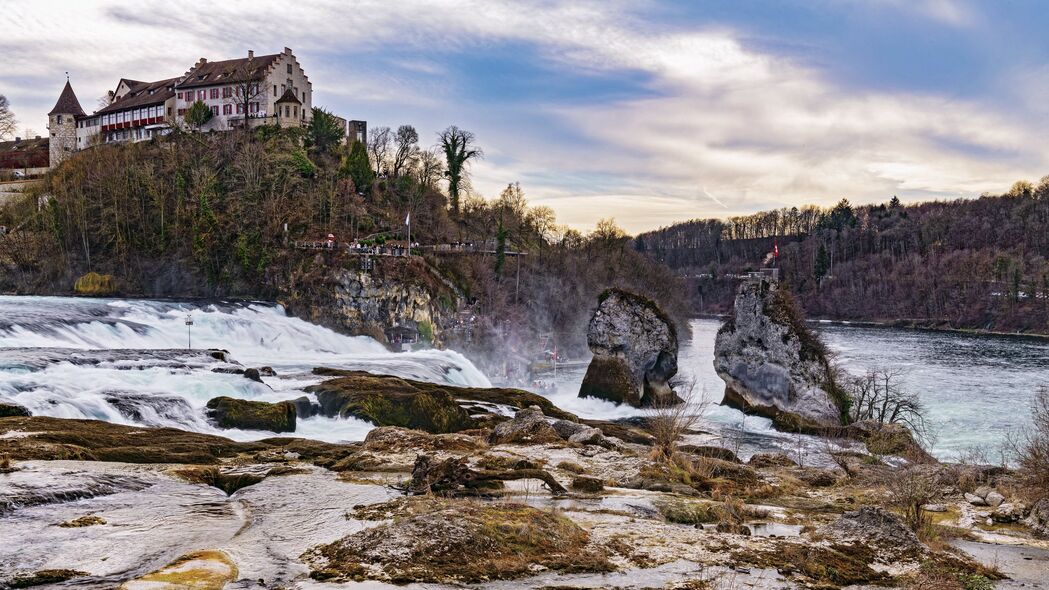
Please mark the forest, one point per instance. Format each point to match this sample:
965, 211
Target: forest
967, 263
213, 215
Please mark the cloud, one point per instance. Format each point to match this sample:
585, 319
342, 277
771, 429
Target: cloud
702, 112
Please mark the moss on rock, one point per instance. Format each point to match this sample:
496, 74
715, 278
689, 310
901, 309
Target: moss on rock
435, 408
457, 541
95, 284
228, 412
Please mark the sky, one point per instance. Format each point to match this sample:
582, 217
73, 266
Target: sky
648, 111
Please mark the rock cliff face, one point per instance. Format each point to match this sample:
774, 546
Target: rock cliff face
394, 293
635, 352
772, 364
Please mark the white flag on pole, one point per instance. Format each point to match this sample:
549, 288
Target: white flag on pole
408, 219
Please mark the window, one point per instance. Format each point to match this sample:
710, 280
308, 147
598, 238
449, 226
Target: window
227, 109
289, 69
200, 95
287, 111
60, 119
240, 109
215, 110
254, 107
214, 93
227, 92
182, 112
274, 90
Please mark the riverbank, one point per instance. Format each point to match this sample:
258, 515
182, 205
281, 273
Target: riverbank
295, 514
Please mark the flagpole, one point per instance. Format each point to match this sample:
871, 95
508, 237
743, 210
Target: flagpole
408, 221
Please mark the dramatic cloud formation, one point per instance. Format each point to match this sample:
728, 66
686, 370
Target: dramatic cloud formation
647, 111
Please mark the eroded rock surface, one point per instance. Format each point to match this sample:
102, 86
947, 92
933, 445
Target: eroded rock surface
635, 352
772, 365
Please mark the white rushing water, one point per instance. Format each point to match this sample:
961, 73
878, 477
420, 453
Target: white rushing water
85, 358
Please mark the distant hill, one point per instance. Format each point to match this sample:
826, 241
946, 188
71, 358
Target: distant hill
968, 263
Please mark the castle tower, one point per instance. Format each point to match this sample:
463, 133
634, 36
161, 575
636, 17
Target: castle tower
61, 122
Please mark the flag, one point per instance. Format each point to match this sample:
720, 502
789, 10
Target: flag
775, 249
408, 219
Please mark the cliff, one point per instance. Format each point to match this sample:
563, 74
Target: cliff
771, 363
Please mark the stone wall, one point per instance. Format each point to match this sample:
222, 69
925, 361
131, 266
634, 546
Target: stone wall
63, 137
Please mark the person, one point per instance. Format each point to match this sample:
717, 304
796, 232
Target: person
331, 241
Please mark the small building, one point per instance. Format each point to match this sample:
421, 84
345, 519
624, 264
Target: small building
24, 157
401, 338
61, 125
356, 131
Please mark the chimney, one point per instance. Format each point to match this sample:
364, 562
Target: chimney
287, 50
37, 137
18, 139
251, 54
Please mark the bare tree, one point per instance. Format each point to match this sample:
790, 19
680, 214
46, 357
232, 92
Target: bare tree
8, 123
379, 148
910, 489
406, 149
1031, 447
879, 396
428, 169
246, 90
106, 99
668, 422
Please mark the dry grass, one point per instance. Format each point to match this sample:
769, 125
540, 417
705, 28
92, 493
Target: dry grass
1032, 448
909, 491
669, 422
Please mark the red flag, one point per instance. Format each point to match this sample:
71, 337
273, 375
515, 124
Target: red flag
775, 249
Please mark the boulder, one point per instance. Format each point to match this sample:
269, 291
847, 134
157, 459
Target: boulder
228, 412
874, 526
253, 374
590, 485
772, 364
566, 428
97, 285
1038, 520
529, 426
1008, 512
635, 352
975, 500
11, 409
994, 499
762, 460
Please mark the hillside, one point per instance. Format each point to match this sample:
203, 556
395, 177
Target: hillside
968, 263
217, 215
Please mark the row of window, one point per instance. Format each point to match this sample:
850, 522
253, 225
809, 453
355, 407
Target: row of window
227, 109
214, 93
128, 116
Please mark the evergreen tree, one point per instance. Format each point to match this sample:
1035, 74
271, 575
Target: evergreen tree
198, 115
822, 263
324, 133
356, 167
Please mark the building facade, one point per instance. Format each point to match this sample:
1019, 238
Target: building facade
254, 90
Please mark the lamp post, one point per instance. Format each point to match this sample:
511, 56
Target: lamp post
189, 333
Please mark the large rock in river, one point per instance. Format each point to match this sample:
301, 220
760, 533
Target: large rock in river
229, 412
772, 364
635, 352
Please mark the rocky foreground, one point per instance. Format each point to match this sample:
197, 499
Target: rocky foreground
536, 500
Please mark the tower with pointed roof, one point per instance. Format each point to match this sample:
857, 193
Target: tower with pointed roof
61, 123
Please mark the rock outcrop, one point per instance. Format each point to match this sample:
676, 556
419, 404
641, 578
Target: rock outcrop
394, 293
12, 409
635, 352
771, 363
229, 412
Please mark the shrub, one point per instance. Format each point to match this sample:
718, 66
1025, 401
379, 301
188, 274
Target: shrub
1032, 449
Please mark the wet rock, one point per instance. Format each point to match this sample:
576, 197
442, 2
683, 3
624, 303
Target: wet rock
391, 401
763, 460
874, 526
1008, 512
44, 577
253, 374
83, 521
529, 426
434, 540
305, 407
201, 570
228, 412
267, 372
226, 481
12, 409
1038, 520
394, 439
772, 364
994, 499
635, 352
590, 485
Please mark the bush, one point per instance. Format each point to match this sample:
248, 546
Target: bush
1033, 447
95, 284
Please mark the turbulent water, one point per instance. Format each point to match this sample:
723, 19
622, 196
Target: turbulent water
129, 362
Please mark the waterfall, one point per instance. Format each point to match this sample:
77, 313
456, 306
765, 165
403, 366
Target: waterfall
126, 361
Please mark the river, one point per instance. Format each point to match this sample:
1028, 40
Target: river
127, 361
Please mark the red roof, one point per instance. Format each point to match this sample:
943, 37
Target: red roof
67, 103
25, 153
